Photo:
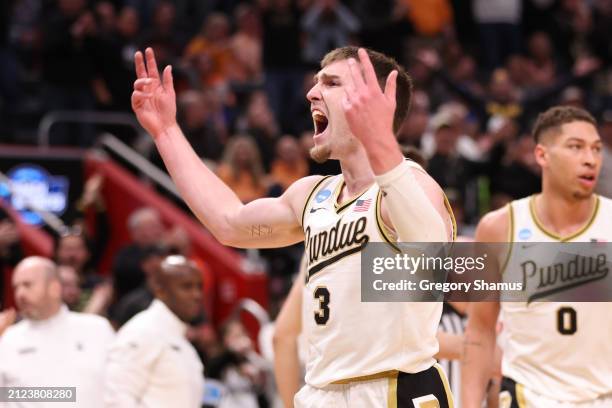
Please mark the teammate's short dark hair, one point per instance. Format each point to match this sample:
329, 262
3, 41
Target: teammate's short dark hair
555, 117
383, 65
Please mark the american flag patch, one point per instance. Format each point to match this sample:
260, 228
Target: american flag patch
362, 205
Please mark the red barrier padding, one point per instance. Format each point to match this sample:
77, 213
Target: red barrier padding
124, 193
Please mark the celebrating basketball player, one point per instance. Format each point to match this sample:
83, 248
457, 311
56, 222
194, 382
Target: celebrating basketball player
359, 355
554, 354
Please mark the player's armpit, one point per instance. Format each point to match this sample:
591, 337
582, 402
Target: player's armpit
269, 222
478, 352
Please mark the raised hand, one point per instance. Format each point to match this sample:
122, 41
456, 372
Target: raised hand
369, 112
153, 99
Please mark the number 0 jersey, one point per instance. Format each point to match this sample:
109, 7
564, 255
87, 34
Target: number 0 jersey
345, 337
559, 350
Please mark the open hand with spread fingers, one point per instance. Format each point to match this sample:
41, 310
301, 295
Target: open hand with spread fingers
370, 111
153, 99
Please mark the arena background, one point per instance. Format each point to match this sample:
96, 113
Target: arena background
482, 71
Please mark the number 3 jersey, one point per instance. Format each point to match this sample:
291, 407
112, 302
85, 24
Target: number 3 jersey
347, 338
561, 350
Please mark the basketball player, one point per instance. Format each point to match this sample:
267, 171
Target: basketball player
360, 355
554, 354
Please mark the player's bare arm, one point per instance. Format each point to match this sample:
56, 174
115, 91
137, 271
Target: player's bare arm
264, 223
478, 361
413, 202
286, 331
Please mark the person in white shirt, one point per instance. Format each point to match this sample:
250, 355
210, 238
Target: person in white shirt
51, 346
151, 363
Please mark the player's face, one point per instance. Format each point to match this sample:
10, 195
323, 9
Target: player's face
573, 159
331, 131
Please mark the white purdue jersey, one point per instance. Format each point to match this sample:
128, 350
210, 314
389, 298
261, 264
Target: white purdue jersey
561, 350
345, 337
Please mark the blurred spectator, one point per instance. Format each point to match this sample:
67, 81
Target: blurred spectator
146, 229
518, 174
210, 52
140, 298
240, 368
281, 53
203, 129
68, 46
289, 164
52, 346
10, 246
161, 34
151, 362
416, 121
241, 169
9, 90
602, 30
429, 18
502, 97
328, 24
604, 186
260, 123
71, 290
540, 66
116, 57
246, 45
499, 24
300, 119
571, 25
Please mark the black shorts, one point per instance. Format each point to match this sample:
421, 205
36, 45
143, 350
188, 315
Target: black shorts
422, 390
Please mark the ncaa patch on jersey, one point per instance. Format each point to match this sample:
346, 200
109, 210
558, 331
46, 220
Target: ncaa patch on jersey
525, 234
322, 195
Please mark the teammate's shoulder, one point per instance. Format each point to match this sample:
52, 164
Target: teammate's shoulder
494, 225
604, 202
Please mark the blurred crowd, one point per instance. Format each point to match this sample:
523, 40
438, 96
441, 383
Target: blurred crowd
482, 71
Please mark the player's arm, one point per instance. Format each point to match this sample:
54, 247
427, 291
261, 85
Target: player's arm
480, 334
286, 331
412, 201
269, 222
451, 346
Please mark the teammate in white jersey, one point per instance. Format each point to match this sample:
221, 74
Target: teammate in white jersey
554, 354
359, 100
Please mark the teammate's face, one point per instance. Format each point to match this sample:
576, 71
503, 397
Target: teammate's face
332, 134
572, 159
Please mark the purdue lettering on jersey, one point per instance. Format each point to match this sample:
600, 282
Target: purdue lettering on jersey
343, 239
554, 348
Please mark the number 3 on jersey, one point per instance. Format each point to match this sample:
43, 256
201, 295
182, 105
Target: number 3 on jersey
321, 316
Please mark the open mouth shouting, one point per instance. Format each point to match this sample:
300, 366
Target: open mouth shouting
320, 122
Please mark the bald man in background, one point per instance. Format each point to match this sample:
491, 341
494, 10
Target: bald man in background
152, 364
52, 346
